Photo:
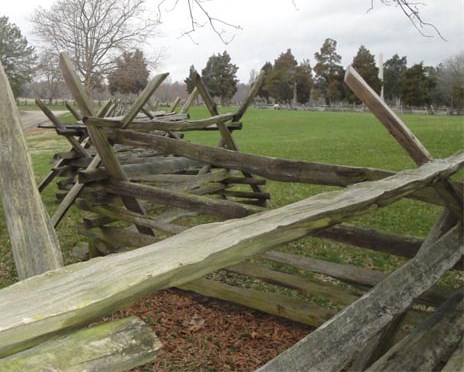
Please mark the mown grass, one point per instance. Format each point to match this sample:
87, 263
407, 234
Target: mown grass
338, 138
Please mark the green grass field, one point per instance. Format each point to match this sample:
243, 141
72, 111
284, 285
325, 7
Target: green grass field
337, 138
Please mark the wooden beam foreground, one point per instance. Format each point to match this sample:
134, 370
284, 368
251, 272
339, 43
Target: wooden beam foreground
420, 351
118, 345
36, 308
336, 342
34, 243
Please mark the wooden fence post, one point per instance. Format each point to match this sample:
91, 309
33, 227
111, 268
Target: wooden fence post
33, 240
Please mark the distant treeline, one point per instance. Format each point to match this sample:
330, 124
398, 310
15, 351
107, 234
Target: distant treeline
289, 82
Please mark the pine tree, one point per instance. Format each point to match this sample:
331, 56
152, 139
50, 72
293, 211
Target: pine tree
393, 74
17, 57
304, 82
263, 92
220, 76
329, 72
417, 86
189, 81
130, 75
280, 82
364, 64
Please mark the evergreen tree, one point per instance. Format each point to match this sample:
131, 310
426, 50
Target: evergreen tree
130, 74
364, 64
17, 57
304, 82
189, 81
417, 86
263, 92
220, 76
329, 72
393, 74
280, 82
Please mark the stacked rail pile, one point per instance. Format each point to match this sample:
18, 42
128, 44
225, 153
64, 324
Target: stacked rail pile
171, 185
66, 165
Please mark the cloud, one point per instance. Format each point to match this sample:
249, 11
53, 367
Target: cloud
271, 27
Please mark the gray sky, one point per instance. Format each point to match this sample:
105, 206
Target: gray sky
269, 27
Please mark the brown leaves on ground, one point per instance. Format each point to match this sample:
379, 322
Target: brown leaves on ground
203, 334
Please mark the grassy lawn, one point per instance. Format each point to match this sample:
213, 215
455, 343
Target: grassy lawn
337, 138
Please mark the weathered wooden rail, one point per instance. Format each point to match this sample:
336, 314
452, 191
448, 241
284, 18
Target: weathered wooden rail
34, 243
150, 189
92, 288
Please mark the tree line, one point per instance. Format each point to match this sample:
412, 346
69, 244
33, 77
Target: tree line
288, 81
109, 62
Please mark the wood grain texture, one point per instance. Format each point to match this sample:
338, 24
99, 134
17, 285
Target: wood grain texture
33, 240
115, 346
456, 361
38, 307
428, 344
335, 343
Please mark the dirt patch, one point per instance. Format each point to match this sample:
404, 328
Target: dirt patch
33, 118
203, 334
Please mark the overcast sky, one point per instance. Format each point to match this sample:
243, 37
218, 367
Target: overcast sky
269, 27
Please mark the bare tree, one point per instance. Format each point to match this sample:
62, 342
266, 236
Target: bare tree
94, 32
48, 77
450, 83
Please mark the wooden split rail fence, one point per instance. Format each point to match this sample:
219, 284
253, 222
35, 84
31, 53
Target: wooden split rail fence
182, 179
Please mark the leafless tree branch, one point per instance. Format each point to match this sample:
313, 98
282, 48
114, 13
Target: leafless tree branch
201, 17
198, 11
412, 11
